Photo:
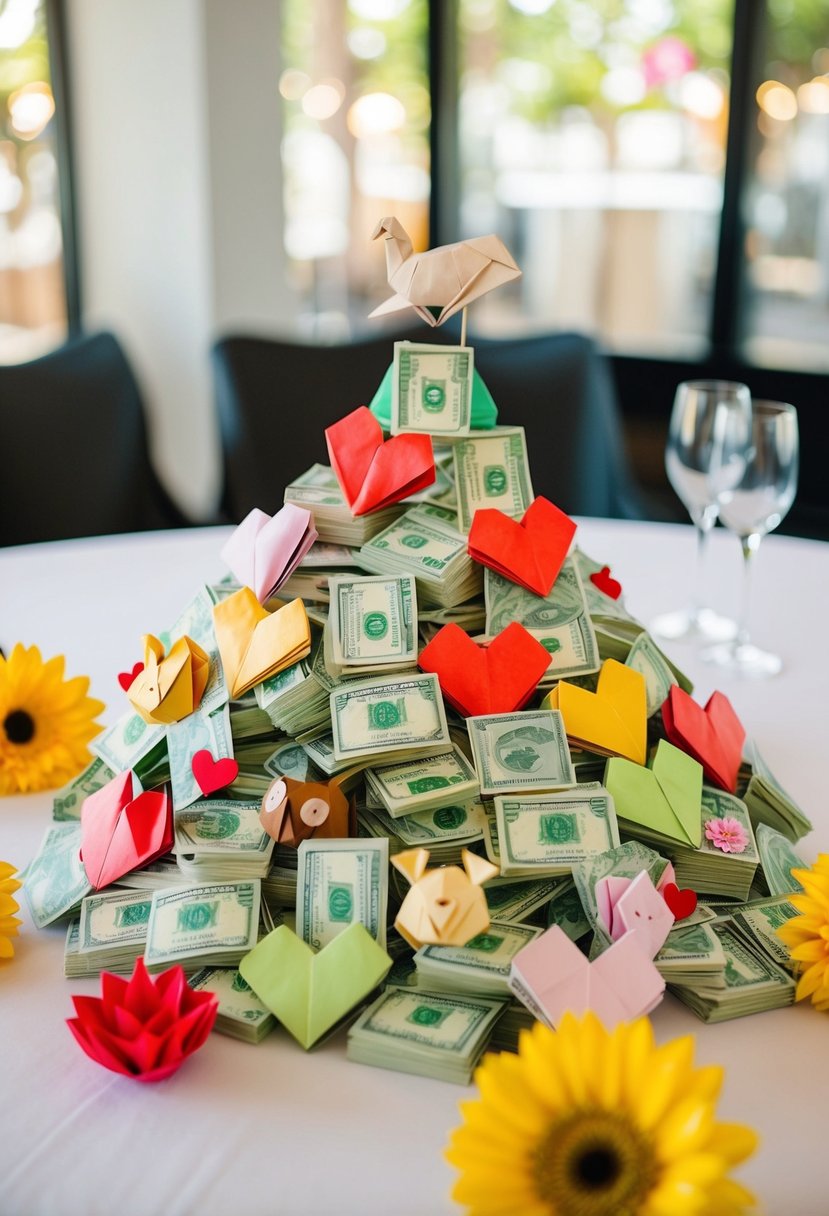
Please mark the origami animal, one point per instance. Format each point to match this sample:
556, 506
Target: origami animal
446, 906
292, 811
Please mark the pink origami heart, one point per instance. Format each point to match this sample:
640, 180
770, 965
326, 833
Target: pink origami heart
373, 474
265, 550
529, 553
492, 679
212, 775
714, 736
119, 833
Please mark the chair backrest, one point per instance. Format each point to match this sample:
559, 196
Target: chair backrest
74, 443
275, 398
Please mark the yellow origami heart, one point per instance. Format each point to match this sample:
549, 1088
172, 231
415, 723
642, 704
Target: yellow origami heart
255, 644
169, 688
613, 720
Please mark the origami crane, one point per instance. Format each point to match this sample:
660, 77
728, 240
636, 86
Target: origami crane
446, 906
447, 278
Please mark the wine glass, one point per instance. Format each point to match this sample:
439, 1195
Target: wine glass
756, 503
707, 439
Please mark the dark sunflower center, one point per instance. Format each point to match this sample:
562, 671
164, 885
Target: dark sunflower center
597, 1167
594, 1163
19, 726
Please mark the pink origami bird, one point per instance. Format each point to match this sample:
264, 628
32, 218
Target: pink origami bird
447, 278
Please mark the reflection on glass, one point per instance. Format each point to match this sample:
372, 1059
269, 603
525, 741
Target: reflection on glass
32, 293
592, 140
788, 238
355, 148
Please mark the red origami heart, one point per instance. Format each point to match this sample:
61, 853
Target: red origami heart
681, 903
125, 678
607, 585
529, 553
212, 775
119, 833
143, 1028
714, 736
486, 680
373, 474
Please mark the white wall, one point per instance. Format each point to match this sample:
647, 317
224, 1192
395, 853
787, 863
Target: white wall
176, 142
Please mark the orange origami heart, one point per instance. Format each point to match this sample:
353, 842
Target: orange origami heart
714, 736
529, 553
373, 474
493, 679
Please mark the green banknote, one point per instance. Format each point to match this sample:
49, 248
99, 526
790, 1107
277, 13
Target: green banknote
559, 621
372, 623
211, 924
416, 785
114, 919
548, 834
69, 800
241, 1014
340, 883
520, 752
387, 716
492, 470
431, 389
778, 859
482, 965
56, 880
200, 730
130, 743
646, 657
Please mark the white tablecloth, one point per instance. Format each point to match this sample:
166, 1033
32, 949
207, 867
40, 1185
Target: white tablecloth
271, 1130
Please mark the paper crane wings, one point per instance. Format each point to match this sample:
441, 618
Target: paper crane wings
447, 278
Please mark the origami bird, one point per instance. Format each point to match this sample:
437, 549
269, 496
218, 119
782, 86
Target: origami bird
447, 278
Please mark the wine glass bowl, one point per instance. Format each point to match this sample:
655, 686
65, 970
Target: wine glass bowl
708, 437
755, 504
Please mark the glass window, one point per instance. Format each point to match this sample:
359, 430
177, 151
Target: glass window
592, 138
355, 147
787, 245
32, 289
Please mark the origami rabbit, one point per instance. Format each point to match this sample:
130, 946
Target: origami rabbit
446, 906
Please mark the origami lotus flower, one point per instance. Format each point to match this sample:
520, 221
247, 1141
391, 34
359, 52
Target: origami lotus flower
144, 1028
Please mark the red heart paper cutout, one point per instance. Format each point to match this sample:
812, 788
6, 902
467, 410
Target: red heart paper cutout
494, 679
714, 736
607, 585
373, 474
681, 903
119, 833
212, 775
530, 552
125, 678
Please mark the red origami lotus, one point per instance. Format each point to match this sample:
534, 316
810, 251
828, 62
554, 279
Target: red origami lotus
143, 1028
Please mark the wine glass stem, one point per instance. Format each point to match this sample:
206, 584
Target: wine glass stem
703, 526
749, 544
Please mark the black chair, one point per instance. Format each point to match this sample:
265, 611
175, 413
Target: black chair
275, 398
75, 455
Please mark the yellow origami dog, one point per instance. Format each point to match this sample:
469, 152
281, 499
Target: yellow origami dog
446, 906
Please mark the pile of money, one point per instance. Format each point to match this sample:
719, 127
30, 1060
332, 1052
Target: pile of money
434, 1034
509, 787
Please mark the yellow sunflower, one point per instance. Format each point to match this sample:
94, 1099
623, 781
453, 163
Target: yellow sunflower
807, 935
45, 722
584, 1122
8, 907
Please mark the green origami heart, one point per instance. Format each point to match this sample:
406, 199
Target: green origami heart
309, 993
484, 411
666, 797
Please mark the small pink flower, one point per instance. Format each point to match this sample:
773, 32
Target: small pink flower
726, 834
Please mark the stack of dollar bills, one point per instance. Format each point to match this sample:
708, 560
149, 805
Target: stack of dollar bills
507, 786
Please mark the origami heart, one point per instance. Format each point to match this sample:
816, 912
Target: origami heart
254, 643
607, 585
309, 993
714, 736
612, 720
264, 550
373, 474
119, 833
492, 679
681, 903
530, 552
212, 775
665, 798
125, 678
